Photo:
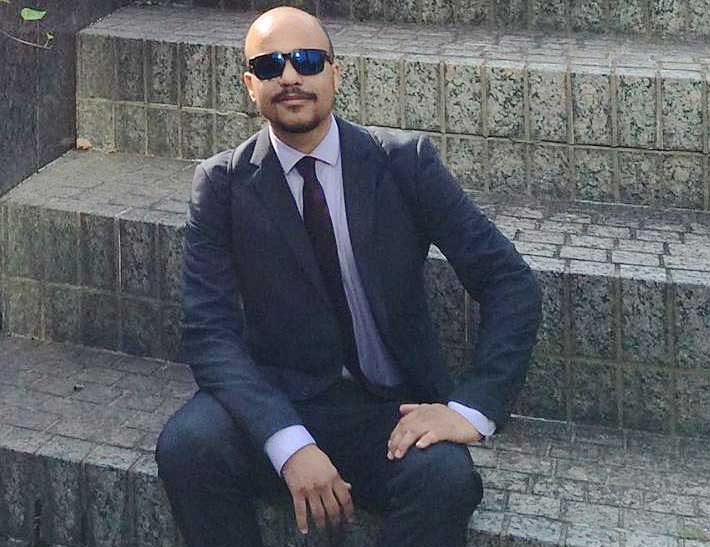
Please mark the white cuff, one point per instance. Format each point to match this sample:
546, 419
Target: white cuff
484, 426
284, 443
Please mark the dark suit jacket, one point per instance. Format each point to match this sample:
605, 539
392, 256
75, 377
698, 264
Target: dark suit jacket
258, 329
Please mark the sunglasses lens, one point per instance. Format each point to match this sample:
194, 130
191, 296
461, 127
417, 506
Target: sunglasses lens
268, 66
308, 61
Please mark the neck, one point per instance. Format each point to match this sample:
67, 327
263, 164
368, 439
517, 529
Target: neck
304, 142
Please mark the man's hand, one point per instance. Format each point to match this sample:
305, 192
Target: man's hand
311, 478
426, 424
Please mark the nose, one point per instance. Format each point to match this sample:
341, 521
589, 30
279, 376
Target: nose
289, 75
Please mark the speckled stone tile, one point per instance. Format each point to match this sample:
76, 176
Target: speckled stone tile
692, 320
507, 166
130, 128
694, 403
682, 108
588, 15
505, 99
381, 92
229, 89
163, 132
162, 72
466, 157
698, 17
94, 122
646, 404
548, 13
422, 102
640, 181
195, 75
474, 12
591, 105
550, 172
554, 312
643, 314
636, 108
593, 174
462, 87
447, 302
348, 99
628, 16
197, 134
406, 10
510, 13
437, 11
548, 103
667, 16
593, 296
549, 398
683, 184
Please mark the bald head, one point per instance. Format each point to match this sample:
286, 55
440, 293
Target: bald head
273, 27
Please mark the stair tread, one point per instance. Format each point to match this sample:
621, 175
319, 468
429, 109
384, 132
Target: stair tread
213, 26
545, 481
595, 238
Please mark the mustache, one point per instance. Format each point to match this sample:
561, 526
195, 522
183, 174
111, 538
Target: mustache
291, 93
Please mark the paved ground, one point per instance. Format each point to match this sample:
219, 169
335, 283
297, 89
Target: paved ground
546, 482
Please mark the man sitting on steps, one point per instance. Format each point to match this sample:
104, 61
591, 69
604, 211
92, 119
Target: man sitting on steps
307, 327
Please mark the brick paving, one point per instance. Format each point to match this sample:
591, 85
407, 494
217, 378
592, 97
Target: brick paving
546, 482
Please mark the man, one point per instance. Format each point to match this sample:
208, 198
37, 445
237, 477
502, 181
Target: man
306, 323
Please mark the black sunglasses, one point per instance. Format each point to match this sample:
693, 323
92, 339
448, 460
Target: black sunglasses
305, 61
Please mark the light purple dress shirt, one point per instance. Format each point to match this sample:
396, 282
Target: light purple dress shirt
375, 361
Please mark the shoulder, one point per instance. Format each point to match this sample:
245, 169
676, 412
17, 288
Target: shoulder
227, 166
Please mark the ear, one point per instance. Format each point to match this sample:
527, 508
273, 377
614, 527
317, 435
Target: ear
248, 79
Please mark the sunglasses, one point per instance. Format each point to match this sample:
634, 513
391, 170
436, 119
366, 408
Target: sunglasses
306, 62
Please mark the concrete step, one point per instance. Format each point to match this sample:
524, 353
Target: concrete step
77, 437
550, 115
656, 17
92, 254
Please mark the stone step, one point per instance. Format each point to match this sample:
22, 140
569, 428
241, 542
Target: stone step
656, 17
93, 247
550, 115
78, 428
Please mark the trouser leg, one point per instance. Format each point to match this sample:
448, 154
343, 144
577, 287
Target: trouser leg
212, 473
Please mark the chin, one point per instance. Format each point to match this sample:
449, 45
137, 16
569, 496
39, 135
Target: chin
297, 125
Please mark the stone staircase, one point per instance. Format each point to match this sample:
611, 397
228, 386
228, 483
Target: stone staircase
589, 149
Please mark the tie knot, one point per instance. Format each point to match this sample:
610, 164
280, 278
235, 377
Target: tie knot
307, 167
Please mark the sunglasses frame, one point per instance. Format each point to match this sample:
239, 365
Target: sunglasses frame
287, 57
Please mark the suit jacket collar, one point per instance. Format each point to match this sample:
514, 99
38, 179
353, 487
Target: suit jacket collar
362, 164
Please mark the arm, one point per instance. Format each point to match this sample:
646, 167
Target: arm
212, 342
494, 274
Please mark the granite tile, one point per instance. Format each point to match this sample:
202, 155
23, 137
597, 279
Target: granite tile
381, 91
97, 251
593, 392
510, 13
99, 320
640, 181
593, 174
231, 130
162, 72
130, 84
683, 179
628, 16
505, 104
197, 135
130, 128
593, 297
405, 11
693, 403
348, 100
61, 313
466, 158
23, 307
698, 17
667, 16
422, 102
591, 105
692, 322
550, 172
553, 329
588, 15
636, 108
473, 12
646, 402
507, 167
548, 102
230, 92
682, 109
438, 12
447, 302
462, 89
23, 247
94, 122
195, 75
163, 132
96, 61
137, 256
549, 14
140, 327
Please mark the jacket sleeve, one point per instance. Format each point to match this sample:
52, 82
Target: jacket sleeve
212, 331
494, 274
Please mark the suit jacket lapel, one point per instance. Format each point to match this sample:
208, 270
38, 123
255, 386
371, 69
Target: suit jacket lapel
270, 185
363, 167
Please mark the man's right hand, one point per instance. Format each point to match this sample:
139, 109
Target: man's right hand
312, 479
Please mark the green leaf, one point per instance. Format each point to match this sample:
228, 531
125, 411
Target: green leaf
29, 14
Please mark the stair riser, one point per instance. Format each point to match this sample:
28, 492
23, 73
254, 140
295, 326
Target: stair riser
620, 345
630, 135
656, 17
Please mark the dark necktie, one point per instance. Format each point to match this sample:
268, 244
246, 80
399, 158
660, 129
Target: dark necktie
319, 226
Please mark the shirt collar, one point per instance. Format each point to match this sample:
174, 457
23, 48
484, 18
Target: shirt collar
328, 150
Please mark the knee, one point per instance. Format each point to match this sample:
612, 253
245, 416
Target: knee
448, 477
190, 445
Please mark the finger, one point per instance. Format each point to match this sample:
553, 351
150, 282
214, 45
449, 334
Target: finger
342, 492
332, 507
407, 408
407, 440
427, 439
316, 506
394, 440
299, 508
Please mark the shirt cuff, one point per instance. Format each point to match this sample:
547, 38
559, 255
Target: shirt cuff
484, 426
285, 443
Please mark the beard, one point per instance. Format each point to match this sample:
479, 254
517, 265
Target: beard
298, 127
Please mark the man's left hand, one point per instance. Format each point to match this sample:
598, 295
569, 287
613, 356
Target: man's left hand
426, 424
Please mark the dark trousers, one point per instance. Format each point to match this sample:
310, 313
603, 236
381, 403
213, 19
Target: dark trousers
212, 472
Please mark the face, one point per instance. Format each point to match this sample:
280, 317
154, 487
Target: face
292, 102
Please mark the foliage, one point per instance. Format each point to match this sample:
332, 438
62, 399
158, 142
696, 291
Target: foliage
31, 15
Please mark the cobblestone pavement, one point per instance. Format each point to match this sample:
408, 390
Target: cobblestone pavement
546, 482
